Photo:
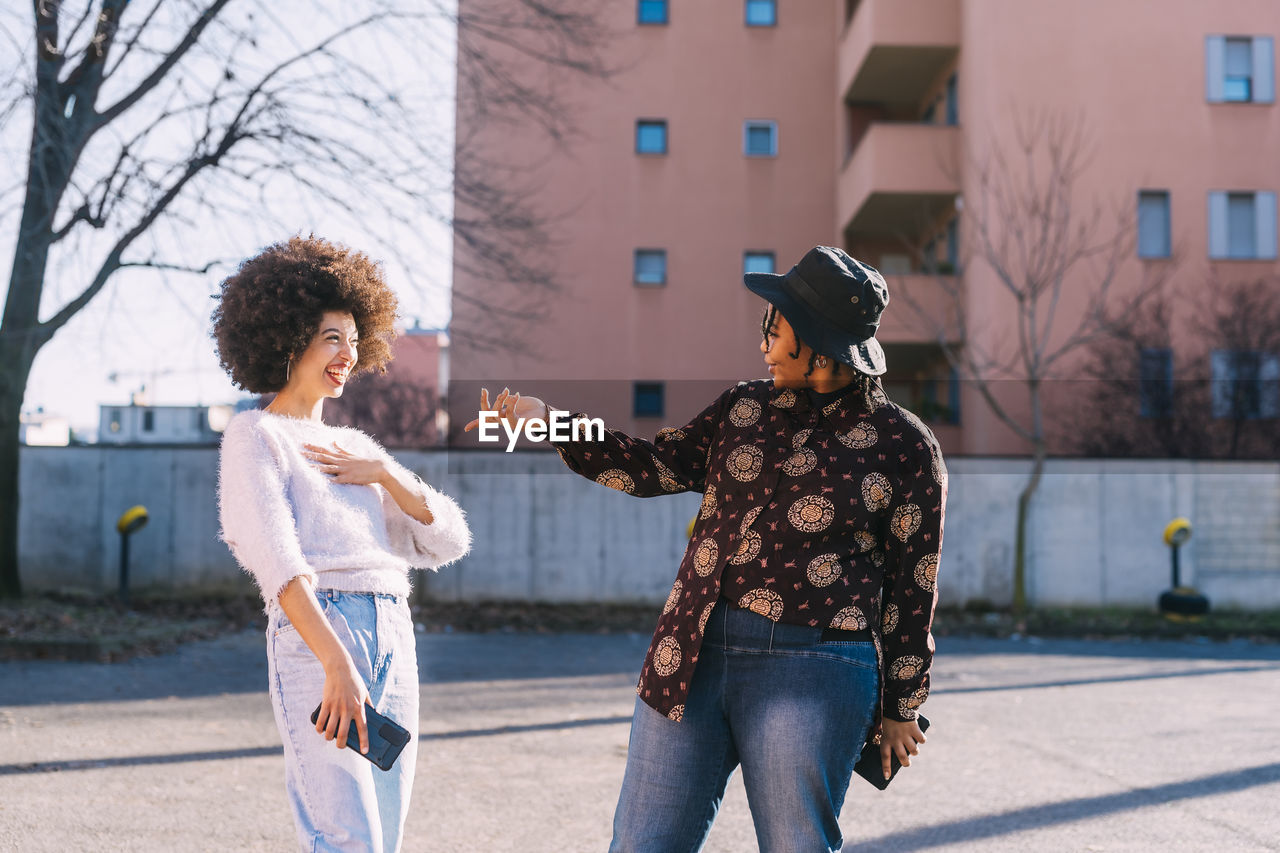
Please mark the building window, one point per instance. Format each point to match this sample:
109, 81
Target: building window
647, 399
1240, 70
651, 266
1154, 239
894, 263
758, 262
1242, 236
762, 13
1242, 226
1155, 383
953, 396
1246, 384
952, 104
651, 136
115, 420
652, 12
929, 258
931, 407
148, 421
1238, 77
760, 138
950, 263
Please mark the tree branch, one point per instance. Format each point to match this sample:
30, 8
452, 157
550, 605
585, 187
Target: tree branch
133, 41
171, 59
152, 263
95, 51
113, 260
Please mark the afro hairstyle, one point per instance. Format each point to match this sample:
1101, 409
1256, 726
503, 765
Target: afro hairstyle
270, 309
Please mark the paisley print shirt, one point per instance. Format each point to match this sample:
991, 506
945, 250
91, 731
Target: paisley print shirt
826, 517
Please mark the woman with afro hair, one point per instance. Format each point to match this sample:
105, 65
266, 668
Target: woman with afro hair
328, 524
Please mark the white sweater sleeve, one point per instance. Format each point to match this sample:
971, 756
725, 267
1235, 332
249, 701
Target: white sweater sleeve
426, 546
257, 520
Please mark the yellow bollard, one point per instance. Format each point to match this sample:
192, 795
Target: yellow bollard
1182, 603
133, 520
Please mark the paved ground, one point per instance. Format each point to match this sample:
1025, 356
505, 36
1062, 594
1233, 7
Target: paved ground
1055, 746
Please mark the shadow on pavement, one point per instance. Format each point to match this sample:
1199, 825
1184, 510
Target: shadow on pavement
1018, 820
532, 727
261, 751
137, 760
1102, 679
1109, 648
449, 658
237, 664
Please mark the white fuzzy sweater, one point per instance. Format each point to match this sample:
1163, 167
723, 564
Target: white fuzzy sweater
282, 518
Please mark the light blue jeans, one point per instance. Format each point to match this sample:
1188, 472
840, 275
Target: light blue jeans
340, 801
791, 709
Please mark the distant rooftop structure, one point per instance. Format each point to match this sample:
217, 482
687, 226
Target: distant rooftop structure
140, 424
40, 429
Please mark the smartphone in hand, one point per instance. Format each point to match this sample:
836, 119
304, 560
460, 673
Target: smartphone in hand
869, 766
387, 738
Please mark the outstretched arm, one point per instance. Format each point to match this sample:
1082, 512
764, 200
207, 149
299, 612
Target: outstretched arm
675, 461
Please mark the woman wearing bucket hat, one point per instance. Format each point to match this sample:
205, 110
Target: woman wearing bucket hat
798, 626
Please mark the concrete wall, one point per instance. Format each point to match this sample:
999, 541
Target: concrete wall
541, 533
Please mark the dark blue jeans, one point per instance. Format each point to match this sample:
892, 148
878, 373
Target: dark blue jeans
791, 709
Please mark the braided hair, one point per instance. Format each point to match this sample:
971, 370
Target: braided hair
867, 386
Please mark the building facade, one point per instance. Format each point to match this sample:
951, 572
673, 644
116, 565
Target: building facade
41, 429
145, 424
739, 133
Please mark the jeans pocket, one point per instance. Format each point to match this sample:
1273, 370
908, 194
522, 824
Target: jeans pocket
279, 624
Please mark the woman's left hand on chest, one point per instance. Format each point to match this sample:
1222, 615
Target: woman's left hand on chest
341, 466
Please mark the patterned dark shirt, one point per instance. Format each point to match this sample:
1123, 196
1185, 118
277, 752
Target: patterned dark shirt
826, 517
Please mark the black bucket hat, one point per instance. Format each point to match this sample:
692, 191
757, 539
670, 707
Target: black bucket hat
834, 304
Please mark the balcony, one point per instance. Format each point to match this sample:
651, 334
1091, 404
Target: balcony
937, 301
894, 50
899, 179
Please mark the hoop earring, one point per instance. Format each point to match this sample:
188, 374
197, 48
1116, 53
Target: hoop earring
288, 365
822, 361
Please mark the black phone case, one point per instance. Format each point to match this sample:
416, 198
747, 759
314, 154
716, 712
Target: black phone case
869, 768
387, 738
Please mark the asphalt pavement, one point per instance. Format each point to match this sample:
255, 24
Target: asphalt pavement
1035, 746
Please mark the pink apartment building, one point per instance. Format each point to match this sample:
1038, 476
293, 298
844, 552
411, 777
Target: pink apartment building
742, 132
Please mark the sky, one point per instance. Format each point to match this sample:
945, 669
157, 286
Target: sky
151, 328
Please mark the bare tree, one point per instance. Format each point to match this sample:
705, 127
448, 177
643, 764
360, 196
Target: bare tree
1240, 329
1026, 233
1130, 408
154, 121
1203, 383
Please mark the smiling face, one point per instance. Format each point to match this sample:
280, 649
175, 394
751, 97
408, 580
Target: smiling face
779, 349
324, 367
